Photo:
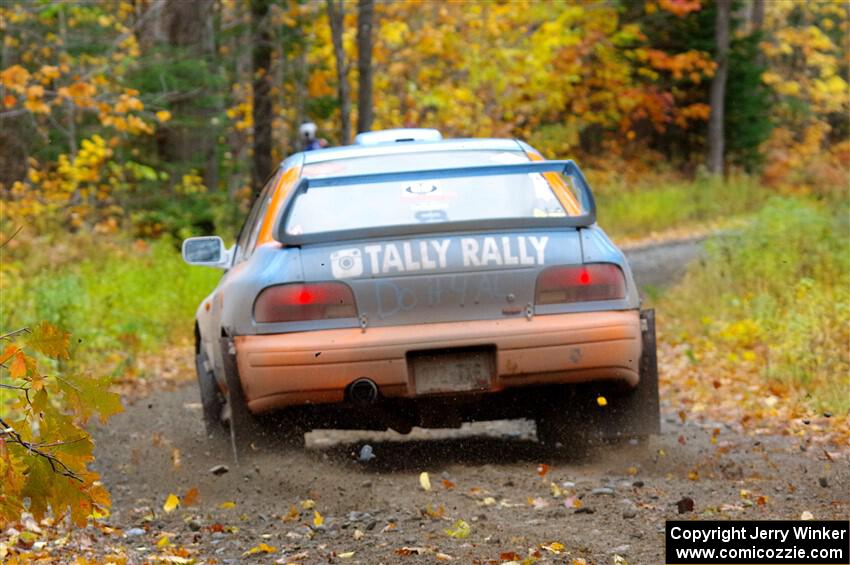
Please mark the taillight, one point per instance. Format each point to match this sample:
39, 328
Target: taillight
580, 283
304, 301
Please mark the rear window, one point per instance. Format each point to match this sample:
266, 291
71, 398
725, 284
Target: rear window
405, 202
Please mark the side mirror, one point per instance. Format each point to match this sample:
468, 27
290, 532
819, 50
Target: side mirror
208, 251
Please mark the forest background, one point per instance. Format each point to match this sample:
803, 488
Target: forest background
127, 126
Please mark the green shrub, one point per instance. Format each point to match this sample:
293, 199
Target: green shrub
633, 211
777, 293
118, 298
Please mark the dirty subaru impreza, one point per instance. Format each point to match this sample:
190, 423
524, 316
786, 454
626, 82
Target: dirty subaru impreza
407, 281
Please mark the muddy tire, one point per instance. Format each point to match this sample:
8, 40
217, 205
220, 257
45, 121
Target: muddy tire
212, 400
637, 415
559, 422
250, 432
575, 421
280, 431
558, 430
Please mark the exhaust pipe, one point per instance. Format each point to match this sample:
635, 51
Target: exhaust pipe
363, 391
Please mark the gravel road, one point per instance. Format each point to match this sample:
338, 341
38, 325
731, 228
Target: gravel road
516, 498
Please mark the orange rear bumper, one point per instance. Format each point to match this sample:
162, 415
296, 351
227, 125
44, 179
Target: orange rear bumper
316, 367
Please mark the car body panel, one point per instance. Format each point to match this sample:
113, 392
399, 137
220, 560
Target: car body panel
442, 289
282, 370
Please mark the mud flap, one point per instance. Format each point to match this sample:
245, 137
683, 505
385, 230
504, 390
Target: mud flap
637, 414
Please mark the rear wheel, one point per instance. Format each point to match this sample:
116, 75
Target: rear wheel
212, 400
250, 432
559, 429
638, 415
576, 421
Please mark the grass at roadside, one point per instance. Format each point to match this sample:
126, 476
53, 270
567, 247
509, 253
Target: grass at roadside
636, 211
118, 298
760, 327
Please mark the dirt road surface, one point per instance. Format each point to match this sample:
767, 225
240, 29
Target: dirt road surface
517, 499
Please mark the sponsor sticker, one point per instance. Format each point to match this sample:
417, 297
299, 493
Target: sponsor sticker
434, 255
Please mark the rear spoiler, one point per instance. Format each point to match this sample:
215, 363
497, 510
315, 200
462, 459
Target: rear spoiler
562, 167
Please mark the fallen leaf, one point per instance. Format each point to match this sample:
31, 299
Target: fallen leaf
345, 555
579, 561
307, 504
292, 515
293, 558
443, 557
693, 475
424, 481
163, 542
227, 505
407, 551
806, 515
435, 514
262, 548
318, 519
448, 485
682, 416
619, 560
542, 469
509, 556
358, 535
191, 497
686, 504
555, 547
459, 530
175, 458
171, 503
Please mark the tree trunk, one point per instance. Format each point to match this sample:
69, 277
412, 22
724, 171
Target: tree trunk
716, 138
186, 30
301, 75
239, 44
365, 19
757, 16
756, 24
262, 55
336, 17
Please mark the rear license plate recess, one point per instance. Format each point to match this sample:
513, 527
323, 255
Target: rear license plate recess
452, 370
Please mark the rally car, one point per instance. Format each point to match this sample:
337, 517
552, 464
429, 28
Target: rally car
409, 280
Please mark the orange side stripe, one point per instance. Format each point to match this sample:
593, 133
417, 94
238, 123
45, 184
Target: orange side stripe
287, 180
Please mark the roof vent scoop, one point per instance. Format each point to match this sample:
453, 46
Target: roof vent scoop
397, 136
